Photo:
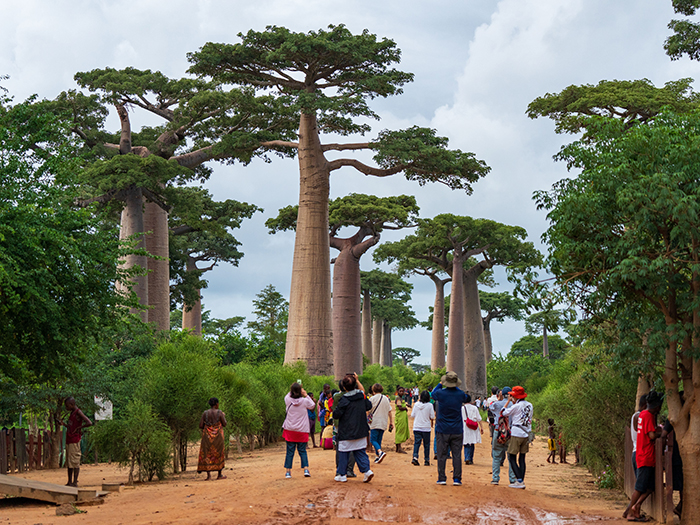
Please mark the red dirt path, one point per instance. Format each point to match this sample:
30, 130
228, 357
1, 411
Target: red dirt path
257, 493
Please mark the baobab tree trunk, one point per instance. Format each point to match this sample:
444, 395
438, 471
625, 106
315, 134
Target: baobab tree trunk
132, 226
386, 345
156, 222
643, 388
377, 334
455, 337
347, 349
473, 336
192, 313
309, 327
437, 347
367, 326
488, 342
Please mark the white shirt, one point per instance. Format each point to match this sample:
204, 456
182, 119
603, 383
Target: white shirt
634, 431
490, 400
470, 436
520, 415
422, 413
381, 406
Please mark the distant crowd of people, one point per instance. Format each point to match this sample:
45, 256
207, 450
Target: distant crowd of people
353, 422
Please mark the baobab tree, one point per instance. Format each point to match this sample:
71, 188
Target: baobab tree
499, 306
437, 241
325, 78
201, 123
368, 215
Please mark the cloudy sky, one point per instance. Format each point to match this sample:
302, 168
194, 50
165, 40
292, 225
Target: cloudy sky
477, 65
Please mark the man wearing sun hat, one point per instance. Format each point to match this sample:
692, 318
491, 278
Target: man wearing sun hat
520, 413
449, 426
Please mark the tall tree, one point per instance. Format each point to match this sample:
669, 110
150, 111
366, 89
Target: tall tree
686, 34
370, 215
624, 239
388, 294
546, 321
499, 306
200, 232
494, 243
201, 123
326, 78
271, 314
405, 354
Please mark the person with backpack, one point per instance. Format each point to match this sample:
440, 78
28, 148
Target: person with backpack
351, 413
520, 413
379, 418
500, 438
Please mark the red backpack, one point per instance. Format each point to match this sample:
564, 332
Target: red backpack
503, 430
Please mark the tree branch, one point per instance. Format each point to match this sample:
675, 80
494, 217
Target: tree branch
363, 168
156, 199
342, 147
279, 144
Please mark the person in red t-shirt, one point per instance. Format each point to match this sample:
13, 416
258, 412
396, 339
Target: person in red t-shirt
77, 421
647, 432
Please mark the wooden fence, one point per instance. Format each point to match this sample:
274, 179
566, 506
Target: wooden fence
21, 451
659, 505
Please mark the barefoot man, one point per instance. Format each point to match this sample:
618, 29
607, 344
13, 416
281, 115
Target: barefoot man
77, 421
211, 451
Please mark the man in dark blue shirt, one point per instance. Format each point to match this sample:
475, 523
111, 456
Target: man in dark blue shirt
449, 427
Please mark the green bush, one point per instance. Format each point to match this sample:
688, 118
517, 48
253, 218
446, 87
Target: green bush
139, 438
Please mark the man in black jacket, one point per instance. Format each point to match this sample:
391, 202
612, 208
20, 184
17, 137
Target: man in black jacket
351, 413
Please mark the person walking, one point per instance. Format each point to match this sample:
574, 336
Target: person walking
212, 457
448, 428
472, 430
401, 435
520, 414
499, 444
381, 417
423, 415
351, 413
350, 472
295, 429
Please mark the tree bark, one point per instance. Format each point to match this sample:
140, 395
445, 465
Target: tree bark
386, 345
475, 358
367, 326
437, 347
377, 334
309, 335
545, 343
643, 388
347, 349
455, 337
132, 225
192, 319
488, 342
156, 222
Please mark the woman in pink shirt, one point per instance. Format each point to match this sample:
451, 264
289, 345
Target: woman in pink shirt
295, 429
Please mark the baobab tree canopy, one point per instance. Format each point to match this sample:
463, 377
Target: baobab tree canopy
326, 79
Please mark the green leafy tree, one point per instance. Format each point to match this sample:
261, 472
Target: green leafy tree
625, 240
529, 345
548, 320
368, 216
325, 78
271, 314
686, 34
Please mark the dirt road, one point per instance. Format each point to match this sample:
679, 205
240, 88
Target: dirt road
257, 493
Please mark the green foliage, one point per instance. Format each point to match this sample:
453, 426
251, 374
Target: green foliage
530, 371
271, 310
138, 437
591, 403
389, 377
531, 345
630, 102
404, 354
389, 295
686, 37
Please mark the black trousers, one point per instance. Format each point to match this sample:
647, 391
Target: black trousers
446, 444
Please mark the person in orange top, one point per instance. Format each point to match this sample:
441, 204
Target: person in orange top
77, 421
647, 432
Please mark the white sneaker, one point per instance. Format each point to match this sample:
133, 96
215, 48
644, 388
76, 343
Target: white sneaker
368, 476
340, 478
381, 457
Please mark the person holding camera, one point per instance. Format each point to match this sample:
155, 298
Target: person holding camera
520, 413
295, 429
351, 413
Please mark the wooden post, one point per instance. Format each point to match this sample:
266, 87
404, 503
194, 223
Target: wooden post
3, 451
30, 452
629, 469
21, 446
659, 493
39, 456
11, 449
668, 495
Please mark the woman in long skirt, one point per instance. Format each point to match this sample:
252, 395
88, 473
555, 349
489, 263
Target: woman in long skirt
211, 452
401, 435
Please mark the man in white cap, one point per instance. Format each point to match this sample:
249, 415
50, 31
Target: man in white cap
449, 427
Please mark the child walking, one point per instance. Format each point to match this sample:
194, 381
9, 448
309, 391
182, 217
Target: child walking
551, 443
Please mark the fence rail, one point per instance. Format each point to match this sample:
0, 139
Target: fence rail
21, 451
659, 505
